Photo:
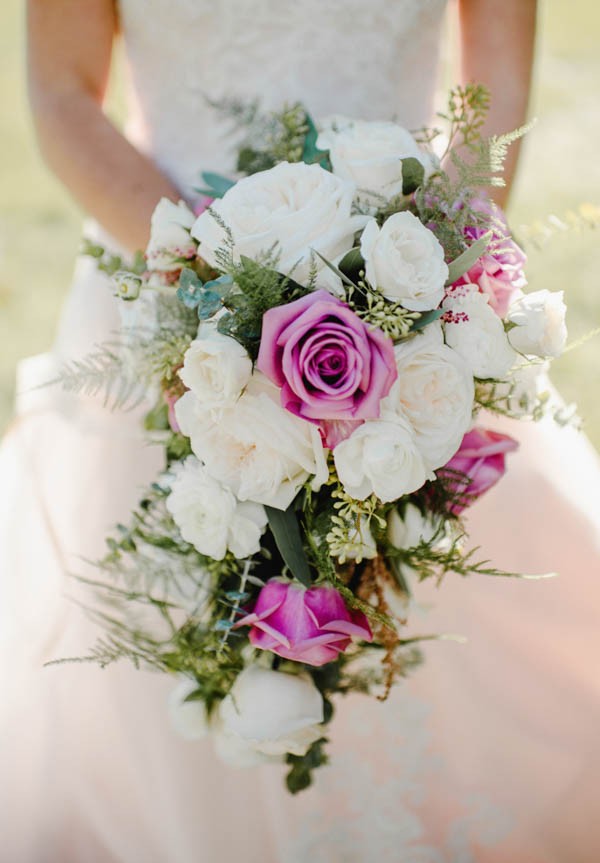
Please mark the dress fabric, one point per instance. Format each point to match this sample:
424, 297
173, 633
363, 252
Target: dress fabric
489, 753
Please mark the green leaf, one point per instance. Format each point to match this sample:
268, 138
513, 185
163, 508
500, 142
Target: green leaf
157, 419
336, 270
470, 256
251, 161
300, 774
413, 174
352, 263
216, 184
311, 154
286, 532
426, 319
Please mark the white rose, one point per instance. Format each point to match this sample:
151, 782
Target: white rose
297, 207
268, 713
208, 515
434, 390
540, 324
170, 243
188, 718
216, 368
381, 457
261, 451
474, 330
370, 153
405, 261
412, 528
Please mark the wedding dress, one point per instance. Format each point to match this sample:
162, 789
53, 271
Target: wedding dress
491, 752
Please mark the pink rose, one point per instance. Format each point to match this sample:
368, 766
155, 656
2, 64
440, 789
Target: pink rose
310, 625
498, 273
332, 368
477, 466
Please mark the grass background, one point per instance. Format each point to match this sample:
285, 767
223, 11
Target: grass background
560, 169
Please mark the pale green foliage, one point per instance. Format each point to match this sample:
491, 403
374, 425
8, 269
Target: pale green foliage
435, 559
103, 372
123, 372
265, 138
109, 262
445, 201
465, 114
542, 231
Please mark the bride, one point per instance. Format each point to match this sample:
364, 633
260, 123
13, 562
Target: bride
491, 752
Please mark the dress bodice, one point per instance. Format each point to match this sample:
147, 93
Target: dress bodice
370, 58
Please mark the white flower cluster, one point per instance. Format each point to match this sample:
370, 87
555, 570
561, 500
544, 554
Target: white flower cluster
423, 421
393, 405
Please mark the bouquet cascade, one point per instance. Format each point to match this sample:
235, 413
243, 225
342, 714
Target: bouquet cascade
318, 340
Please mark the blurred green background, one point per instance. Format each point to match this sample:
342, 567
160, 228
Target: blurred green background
560, 169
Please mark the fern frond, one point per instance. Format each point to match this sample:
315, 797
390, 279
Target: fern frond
102, 372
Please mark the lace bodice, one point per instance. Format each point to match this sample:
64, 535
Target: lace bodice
370, 58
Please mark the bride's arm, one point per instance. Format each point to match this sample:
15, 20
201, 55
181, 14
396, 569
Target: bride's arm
69, 52
497, 43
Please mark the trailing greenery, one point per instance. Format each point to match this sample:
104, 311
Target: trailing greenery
109, 262
445, 201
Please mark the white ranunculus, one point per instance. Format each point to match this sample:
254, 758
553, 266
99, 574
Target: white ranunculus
434, 390
474, 330
297, 207
209, 516
381, 457
188, 718
540, 329
261, 451
405, 261
268, 713
216, 368
370, 153
412, 528
170, 241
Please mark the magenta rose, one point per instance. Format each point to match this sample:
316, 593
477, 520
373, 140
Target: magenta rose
498, 273
310, 625
478, 465
332, 368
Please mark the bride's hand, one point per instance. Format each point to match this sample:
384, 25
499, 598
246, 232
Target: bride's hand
497, 41
69, 53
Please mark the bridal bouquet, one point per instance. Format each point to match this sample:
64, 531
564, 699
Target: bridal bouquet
318, 339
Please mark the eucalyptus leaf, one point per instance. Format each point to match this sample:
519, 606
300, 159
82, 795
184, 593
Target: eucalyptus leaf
189, 279
311, 154
286, 532
413, 174
216, 184
219, 286
209, 305
470, 256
